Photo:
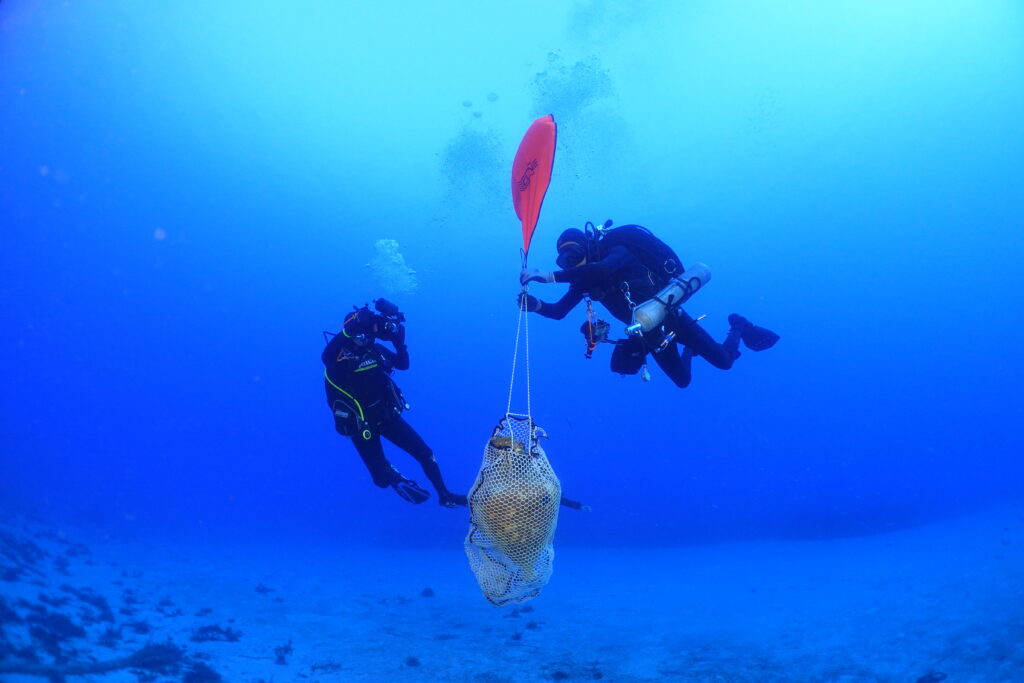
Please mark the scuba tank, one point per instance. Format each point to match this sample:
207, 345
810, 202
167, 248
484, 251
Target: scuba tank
651, 313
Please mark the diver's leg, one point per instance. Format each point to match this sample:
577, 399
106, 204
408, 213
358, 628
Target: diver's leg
384, 474
675, 365
401, 433
628, 356
689, 332
372, 452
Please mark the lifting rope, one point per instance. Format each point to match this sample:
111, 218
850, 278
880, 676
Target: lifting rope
531, 175
522, 326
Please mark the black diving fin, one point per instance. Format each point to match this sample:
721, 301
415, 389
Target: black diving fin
410, 491
754, 337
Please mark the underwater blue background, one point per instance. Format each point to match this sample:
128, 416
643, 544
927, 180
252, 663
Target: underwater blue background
190, 194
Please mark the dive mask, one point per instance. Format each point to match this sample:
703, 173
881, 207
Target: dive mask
571, 255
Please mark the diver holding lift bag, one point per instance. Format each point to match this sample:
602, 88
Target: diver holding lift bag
642, 283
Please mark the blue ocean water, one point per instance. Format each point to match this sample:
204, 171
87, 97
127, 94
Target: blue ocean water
190, 194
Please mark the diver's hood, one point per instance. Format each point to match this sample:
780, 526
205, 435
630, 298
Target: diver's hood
359, 323
572, 237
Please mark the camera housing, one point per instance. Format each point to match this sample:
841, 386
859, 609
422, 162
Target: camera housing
389, 310
389, 316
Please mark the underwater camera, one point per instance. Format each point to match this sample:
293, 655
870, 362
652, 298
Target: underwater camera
390, 316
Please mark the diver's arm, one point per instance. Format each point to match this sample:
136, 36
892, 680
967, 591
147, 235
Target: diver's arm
599, 272
561, 308
401, 350
401, 356
397, 359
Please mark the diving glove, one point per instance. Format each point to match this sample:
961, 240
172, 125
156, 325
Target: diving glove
535, 275
532, 303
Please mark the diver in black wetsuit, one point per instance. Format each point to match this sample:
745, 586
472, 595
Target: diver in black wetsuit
621, 268
368, 405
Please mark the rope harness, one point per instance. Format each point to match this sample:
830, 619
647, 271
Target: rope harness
522, 328
514, 501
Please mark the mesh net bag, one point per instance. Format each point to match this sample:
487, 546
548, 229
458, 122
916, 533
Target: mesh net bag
513, 513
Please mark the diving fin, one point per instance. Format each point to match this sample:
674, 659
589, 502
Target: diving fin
754, 337
759, 338
410, 491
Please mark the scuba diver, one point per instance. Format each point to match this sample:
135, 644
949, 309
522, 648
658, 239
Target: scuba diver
629, 271
368, 405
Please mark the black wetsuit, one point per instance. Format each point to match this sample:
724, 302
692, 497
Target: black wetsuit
365, 374
608, 280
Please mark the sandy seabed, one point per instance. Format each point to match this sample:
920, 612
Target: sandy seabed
938, 602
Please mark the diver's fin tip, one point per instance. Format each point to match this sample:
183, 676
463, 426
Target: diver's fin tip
759, 338
410, 491
453, 500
